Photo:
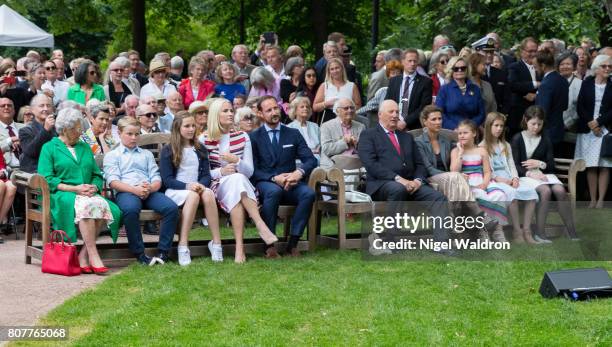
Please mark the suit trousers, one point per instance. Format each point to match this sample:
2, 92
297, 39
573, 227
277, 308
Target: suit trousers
131, 205
435, 202
272, 195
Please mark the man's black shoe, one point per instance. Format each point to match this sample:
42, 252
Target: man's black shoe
145, 260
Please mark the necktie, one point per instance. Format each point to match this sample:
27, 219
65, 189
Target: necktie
394, 142
406, 96
17, 149
275, 144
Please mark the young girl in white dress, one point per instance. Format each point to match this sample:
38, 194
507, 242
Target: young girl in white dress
473, 162
503, 172
535, 163
231, 163
185, 172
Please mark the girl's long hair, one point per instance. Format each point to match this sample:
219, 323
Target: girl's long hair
489, 139
176, 140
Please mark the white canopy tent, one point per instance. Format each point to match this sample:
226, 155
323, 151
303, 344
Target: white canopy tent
15, 30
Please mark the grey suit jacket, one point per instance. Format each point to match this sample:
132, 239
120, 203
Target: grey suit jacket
6, 144
332, 142
377, 80
428, 156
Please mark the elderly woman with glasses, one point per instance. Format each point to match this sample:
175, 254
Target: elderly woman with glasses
300, 112
116, 90
437, 64
460, 98
25, 115
86, 85
245, 120
199, 109
75, 183
99, 136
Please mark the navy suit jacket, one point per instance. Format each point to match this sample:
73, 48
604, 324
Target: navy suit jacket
383, 163
499, 82
586, 105
168, 172
268, 165
521, 84
420, 96
552, 96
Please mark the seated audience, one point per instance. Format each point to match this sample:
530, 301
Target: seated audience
185, 172
196, 87
199, 109
227, 87
158, 80
75, 180
534, 160
132, 172
32, 137
147, 117
300, 111
175, 105
275, 150
99, 136
245, 120
231, 164
340, 136
473, 161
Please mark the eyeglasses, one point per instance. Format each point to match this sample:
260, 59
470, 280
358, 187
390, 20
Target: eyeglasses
248, 117
309, 75
606, 66
459, 68
50, 68
29, 114
115, 70
92, 73
6, 105
346, 108
443, 62
201, 112
149, 115
161, 102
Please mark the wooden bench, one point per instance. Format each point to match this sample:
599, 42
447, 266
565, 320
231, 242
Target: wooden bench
38, 210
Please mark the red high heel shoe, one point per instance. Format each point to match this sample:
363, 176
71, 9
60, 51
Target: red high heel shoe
99, 270
86, 270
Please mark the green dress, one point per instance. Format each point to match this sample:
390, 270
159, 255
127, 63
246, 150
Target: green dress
57, 165
75, 93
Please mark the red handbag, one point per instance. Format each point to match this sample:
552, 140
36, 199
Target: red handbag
60, 258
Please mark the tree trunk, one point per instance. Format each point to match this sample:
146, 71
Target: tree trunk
318, 16
139, 28
241, 24
375, 13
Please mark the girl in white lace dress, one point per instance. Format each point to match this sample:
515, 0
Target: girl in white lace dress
231, 163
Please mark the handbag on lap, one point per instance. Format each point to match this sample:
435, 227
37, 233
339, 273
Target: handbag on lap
59, 257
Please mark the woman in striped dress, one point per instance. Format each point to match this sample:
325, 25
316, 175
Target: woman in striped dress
231, 163
473, 162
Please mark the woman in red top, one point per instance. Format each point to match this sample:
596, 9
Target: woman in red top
7, 191
196, 87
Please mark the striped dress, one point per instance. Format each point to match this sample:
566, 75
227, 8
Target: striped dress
492, 200
229, 189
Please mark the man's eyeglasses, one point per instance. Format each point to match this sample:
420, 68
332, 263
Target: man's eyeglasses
149, 115
346, 108
50, 68
6, 105
248, 117
459, 68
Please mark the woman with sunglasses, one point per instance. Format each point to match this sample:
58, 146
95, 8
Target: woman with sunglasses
460, 98
245, 120
437, 64
116, 90
86, 85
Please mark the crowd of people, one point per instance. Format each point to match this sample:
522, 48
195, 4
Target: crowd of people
246, 131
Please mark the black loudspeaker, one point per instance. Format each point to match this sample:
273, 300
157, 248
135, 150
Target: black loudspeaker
576, 284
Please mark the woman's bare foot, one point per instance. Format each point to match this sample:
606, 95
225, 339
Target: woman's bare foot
527, 235
265, 233
600, 204
239, 258
592, 204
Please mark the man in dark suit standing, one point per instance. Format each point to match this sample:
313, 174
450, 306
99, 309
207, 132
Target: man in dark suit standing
410, 91
552, 96
275, 149
524, 83
395, 171
497, 78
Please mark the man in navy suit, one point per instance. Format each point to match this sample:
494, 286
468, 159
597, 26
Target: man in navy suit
552, 96
275, 149
395, 171
411, 91
524, 83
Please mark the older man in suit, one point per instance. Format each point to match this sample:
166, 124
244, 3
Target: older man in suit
395, 171
411, 91
33, 136
9, 130
278, 180
552, 96
379, 78
340, 135
524, 83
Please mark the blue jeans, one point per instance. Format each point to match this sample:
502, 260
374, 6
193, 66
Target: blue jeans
272, 195
131, 205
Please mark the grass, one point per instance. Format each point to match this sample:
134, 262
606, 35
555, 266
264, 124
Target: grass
330, 298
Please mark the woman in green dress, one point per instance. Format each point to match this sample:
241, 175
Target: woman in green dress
75, 183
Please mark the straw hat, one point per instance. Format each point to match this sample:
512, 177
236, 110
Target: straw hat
156, 65
197, 106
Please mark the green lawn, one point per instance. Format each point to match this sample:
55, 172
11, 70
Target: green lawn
333, 298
